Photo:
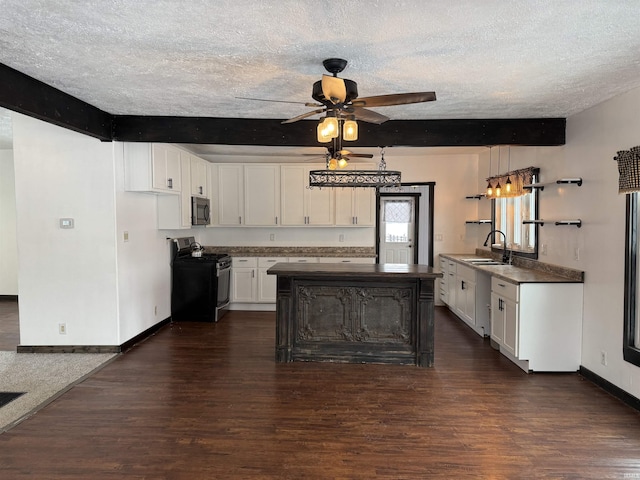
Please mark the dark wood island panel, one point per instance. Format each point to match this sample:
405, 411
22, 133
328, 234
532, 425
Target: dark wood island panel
357, 313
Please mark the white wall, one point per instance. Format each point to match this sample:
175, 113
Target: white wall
105, 290
65, 275
143, 262
8, 245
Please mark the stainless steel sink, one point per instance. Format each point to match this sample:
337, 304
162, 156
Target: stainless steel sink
481, 261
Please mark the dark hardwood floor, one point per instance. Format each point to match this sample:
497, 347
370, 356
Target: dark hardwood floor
207, 401
9, 328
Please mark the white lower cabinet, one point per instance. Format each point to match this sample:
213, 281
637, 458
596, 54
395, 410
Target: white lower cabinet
471, 298
267, 284
244, 279
251, 287
538, 326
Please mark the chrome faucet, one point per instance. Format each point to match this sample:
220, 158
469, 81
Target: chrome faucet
506, 256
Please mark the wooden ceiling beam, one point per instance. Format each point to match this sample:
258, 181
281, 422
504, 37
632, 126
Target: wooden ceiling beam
26, 95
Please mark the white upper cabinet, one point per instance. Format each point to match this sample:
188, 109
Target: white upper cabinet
356, 206
152, 167
300, 204
261, 195
174, 211
230, 194
199, 177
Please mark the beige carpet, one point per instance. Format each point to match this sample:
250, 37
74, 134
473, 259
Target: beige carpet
44, 377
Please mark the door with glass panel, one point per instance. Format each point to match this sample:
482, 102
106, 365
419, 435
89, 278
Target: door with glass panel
397, 229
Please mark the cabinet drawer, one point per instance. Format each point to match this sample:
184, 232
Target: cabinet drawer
244, 262
265, 262
451, 266
505, 289
303, 260
346, 260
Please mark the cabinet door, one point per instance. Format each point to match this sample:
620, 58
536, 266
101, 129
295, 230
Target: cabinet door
469, 308
497, 319
511, 326
319, 204
230, 195
365, 206
212, 171
292, 194
159, 166
243, 284
173, 177
451, 286
344, 206
261, 194
199, 177
267, 286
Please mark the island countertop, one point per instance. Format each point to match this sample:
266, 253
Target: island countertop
342, 270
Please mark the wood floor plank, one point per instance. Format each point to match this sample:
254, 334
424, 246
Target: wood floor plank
208, 401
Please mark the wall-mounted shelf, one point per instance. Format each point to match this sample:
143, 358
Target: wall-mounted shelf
562, 181
477, 222
576, 223
479, 196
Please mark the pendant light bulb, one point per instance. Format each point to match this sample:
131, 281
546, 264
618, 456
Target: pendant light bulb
507, 185
498, 190
489, 190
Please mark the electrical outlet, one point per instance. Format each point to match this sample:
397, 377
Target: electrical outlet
272, 237
155, 310
125, 236
543, 249
62, 328
603, 358
576, 253
341, 238
439, 237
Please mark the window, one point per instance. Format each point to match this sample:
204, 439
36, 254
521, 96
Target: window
509, 214
631, 337
397, 220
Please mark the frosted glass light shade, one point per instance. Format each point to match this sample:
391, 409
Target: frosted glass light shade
350, 130
323, 136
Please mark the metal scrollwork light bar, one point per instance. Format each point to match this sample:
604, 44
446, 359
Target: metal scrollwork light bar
356, 178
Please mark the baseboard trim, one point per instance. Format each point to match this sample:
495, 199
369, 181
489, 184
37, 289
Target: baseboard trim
68, 349
142, 336
94, 348
9, 297
610, 388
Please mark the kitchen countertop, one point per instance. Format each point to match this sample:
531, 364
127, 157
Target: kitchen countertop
341, 270
545, 273
365, 252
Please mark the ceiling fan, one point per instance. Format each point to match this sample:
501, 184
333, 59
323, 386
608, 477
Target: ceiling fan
338, 100
339, 97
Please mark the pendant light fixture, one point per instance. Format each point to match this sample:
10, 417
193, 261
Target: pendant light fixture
498, 188
508, 184
489, 187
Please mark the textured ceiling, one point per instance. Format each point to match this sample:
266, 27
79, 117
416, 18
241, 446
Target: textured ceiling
483, 58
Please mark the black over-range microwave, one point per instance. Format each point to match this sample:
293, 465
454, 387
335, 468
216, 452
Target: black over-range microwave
200, 211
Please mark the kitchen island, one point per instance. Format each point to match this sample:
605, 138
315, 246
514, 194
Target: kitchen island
382, 313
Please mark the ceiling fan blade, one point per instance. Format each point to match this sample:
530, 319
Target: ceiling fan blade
394, 99
279, 101
348, 153
369, 115
304, 115
334, 89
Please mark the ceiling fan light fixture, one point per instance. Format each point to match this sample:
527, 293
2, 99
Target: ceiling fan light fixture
330, 126
342, 162
333, 164
350, 130
323, 137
